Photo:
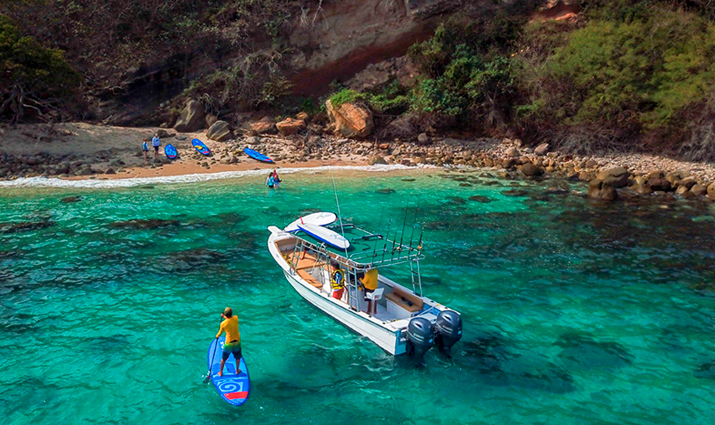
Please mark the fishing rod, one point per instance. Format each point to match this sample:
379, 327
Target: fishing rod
402, 235
340, 216
384, 247
414, 223
374, 245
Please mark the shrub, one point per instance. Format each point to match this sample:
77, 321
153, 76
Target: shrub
32, 76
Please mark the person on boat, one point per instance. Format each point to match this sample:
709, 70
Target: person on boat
155, 142
270, 181
276, 179
369, 284
337, 281
233, 339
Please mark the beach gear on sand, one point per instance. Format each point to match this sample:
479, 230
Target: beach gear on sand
170, 152
200, 147
257, 155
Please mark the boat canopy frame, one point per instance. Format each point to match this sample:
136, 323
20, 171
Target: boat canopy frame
384, 253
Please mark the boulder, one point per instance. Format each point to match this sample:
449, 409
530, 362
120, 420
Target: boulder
656, 180
376, 159
290, 126
210, 120
350, 119
698, 189
163, 134
711, 191
615, 176
423, 139
302, 116
531, 170
676, 176
219, 131
513, 152
191, 118
110, 171
602, 191
542, 149
263, 126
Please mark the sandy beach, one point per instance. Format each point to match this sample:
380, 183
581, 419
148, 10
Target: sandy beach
74, 151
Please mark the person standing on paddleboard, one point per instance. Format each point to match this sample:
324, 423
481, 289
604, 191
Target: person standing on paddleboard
233, 339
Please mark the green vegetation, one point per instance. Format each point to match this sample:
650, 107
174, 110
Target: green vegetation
33, 78
391, 99
642, 79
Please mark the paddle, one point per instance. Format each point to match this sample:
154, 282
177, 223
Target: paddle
208, 374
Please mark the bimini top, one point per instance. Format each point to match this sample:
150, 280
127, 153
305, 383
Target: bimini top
368, 249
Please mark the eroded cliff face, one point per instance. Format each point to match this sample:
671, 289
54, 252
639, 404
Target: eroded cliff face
346, 36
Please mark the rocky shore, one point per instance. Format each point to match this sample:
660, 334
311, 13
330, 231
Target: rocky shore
608, 176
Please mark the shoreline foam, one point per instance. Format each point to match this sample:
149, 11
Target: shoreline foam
48, 182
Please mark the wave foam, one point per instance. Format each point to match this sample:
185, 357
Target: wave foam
187, 178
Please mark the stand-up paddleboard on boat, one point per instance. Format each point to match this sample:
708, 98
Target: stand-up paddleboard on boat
326, 235
319, 218
170, 152
257, 155
233, 388
200, 147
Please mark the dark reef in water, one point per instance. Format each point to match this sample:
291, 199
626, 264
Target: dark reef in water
706, 370
26, 226
482, 199
71, 199
579, 352
386, 191
515, 192
499, 364
139, 224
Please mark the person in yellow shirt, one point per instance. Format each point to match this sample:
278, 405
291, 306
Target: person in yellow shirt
233, 339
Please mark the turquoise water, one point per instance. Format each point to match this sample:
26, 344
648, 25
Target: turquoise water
574, 312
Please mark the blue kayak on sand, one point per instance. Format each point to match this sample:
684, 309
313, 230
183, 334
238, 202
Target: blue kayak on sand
170, 152
257, 155
201, 147
233, 388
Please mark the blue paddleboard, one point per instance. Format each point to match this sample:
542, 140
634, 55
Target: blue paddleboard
170, 151
257, 155
201, 147
233, 388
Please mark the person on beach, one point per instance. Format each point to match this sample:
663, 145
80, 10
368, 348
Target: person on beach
145, 149
156, 143
276, 179
270, 181
233, 340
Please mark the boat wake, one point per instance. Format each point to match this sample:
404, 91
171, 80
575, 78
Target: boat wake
187, 178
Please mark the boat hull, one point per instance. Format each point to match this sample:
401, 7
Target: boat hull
388, 340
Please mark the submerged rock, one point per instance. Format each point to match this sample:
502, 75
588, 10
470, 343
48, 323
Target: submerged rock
601, 190
584, 352
386, 191
154, 223
478, 198
71, 199
24, 226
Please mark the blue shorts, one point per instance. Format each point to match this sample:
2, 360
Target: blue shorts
232, 348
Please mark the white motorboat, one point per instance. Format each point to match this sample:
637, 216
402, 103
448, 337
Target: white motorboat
396, 318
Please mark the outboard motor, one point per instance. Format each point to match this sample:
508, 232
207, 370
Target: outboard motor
420, 337
448, 330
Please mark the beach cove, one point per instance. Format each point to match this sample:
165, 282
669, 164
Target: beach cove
574, 311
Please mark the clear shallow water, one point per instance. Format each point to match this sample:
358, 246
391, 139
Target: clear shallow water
574, 313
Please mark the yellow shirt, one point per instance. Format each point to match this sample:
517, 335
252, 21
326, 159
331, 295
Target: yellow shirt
230, 326
370, 280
